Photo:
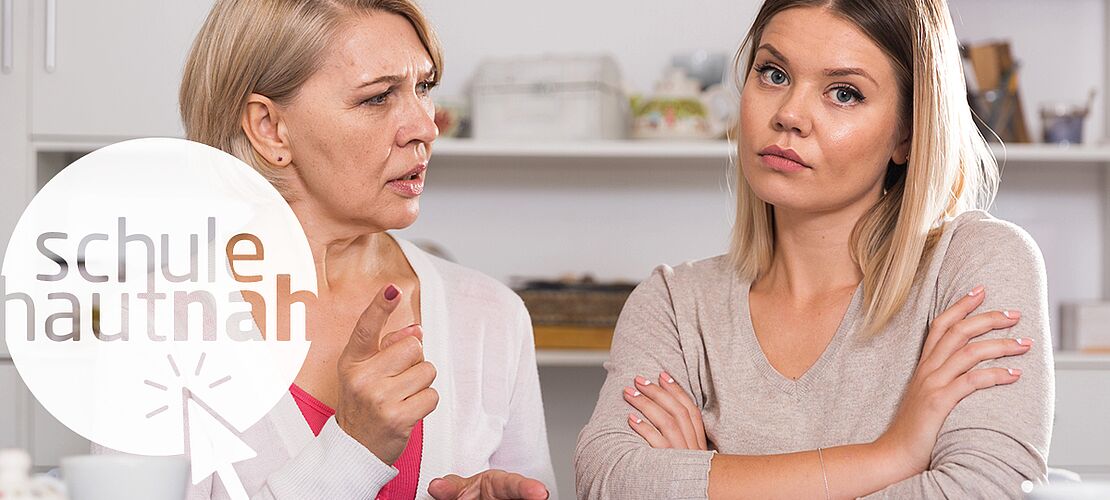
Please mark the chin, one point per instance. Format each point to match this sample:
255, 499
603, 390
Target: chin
390, 217
784, 196
404, 216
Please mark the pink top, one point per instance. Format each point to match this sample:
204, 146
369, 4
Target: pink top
402, 487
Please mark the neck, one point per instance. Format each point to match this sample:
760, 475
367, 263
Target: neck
812, 255
344, 254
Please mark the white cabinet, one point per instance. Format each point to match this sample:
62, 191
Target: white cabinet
1081, 434
24, 423
110, 69
51, 440
16, 185
13, 414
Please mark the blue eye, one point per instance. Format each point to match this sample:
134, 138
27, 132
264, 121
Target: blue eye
846, 96
423, 88
378, 99
772, 75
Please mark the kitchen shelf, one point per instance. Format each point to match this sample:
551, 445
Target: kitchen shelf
600, 149
1049, 153
571, 357
715, 151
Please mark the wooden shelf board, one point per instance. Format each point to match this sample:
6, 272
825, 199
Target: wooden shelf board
1065, 360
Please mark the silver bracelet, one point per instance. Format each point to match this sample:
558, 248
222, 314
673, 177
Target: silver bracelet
824, 475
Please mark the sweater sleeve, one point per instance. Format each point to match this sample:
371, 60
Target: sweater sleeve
996, 438
332, 465
611, 461
524, 449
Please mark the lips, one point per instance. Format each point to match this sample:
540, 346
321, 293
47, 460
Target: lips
413, 174
783, 159
411, 184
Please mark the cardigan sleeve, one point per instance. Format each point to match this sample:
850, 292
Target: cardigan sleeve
332, 465
997, 438
524, 447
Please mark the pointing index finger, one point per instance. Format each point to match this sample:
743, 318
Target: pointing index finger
366, 337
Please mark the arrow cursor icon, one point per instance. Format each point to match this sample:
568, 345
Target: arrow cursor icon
213, 445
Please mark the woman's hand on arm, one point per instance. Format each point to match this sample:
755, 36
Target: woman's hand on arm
672, 420
384, 381
944, 376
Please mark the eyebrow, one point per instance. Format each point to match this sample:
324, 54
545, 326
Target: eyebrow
395, 79
774, 52
832, 72
850, 72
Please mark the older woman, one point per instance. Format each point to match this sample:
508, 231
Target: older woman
830, 353
330, 101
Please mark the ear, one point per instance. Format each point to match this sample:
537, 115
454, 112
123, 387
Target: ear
264, 128
901, 154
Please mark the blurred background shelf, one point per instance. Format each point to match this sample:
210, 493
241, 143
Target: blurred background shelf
1065, 360
548, 357
716, 151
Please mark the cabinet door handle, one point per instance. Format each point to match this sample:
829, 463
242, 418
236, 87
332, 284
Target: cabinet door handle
51, 35
7, 49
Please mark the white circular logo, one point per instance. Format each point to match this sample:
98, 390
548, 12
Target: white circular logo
156, 282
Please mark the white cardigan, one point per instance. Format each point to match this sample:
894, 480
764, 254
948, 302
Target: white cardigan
478, 335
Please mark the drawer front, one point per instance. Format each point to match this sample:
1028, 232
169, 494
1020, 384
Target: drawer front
13, 407
1081, 434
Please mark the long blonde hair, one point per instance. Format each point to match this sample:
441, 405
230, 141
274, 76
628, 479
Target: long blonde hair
951, 168
268, 47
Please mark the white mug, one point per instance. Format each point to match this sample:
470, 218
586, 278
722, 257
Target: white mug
114, 477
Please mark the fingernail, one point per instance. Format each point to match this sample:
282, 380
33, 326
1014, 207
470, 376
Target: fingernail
1011, 314
1015, 372
634, 418
631, 392
665, 376
642, 381
391, 292
975, 291
1024, 341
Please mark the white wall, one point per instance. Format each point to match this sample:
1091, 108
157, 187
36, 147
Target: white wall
1057, 42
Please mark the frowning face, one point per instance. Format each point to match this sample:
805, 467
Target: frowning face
360, 128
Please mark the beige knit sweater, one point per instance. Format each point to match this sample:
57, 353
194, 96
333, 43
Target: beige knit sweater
693, 321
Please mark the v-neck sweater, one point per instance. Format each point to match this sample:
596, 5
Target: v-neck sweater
693, 321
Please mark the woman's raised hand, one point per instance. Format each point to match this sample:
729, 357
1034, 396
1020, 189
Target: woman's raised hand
384, 381
946, 374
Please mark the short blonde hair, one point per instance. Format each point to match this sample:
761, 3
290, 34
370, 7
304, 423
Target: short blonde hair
268, 47
951, 169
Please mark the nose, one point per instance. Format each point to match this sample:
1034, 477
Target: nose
417, 122
793, 115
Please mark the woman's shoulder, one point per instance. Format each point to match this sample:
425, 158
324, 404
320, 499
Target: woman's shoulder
976, 242
699, 271
978, 232
689, 280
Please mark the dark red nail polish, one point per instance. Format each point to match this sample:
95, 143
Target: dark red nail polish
391, 292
